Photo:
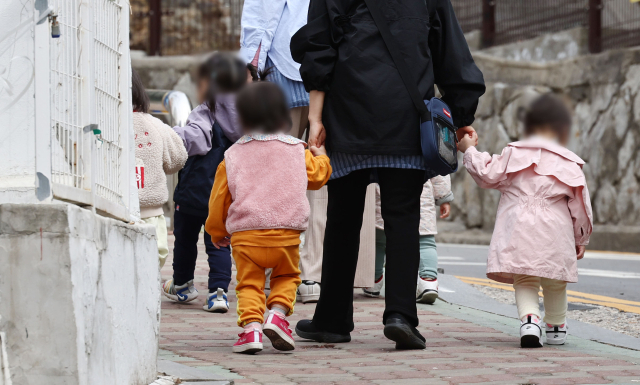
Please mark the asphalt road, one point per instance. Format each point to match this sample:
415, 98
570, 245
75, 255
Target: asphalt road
610, 274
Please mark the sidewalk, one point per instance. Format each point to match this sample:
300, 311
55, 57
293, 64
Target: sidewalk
464, 345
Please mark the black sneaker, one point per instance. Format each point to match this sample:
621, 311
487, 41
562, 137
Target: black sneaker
406, 336
307, 330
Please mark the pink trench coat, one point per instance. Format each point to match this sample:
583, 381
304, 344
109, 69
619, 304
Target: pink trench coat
544, 210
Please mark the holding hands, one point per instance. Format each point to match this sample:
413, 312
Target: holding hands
224, 242
467, 137
317, 150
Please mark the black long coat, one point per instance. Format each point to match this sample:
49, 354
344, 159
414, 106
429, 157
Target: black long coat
367, 109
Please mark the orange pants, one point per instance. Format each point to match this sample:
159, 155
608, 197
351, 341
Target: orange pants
251, 262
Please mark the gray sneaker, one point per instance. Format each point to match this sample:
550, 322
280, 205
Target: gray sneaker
308, 291
183, 293
374, 291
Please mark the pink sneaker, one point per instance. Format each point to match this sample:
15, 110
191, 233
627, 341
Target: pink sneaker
250, 342
277, 329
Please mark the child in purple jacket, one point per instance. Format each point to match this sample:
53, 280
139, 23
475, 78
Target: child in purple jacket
210, 130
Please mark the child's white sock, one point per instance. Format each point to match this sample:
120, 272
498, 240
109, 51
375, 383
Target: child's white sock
252, 325
280, 310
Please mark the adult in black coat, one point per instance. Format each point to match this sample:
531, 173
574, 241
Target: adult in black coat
361, 107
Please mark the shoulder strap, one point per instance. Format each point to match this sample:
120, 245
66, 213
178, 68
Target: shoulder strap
396, 55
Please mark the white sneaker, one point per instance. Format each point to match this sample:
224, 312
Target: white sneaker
556, 335
217, 302
426, 291
308, 291
374, 291
182, 293
531, 332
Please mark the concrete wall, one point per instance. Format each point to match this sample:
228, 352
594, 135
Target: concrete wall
80, 297
17, 121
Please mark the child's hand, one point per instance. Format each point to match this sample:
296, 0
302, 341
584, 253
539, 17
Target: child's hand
445, 210
580, 251
317, 151
469, 140
224, 242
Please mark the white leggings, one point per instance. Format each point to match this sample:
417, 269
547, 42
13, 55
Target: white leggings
555, 298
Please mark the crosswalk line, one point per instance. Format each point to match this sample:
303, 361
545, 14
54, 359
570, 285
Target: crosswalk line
608, 273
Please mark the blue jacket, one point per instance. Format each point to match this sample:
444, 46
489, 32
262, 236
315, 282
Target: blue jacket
195, 180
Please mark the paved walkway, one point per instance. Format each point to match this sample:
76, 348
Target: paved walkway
463, 346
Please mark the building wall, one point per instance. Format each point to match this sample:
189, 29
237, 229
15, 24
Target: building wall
80, 297
17, 122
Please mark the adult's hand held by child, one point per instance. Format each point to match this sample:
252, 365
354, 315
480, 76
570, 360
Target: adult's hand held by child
462, 131
467, 141
445, 210
317, 134
317, 151
580, 249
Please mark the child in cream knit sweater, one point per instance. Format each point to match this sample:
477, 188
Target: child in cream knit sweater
159, 151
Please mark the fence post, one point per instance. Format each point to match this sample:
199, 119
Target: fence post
155, 27
595, 26
488, 23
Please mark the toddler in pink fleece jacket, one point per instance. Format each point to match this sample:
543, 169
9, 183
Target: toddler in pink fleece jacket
544, 217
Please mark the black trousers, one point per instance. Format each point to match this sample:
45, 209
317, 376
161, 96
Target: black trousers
185, 252
400, 192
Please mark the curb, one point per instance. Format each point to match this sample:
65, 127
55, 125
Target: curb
189, 375
457, 292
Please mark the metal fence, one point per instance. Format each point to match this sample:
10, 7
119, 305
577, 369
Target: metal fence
88, 100
620, 23
469, 14
611, 23
180, 27
524, 19
68, 145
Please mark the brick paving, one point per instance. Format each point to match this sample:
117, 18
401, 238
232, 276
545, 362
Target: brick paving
463, 347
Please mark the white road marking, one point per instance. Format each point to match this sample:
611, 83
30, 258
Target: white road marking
463, 263
612, 256
443, 258
608, 273
444, 290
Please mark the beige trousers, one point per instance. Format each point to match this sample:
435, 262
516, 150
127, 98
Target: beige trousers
312, 249
160, 224
527, 298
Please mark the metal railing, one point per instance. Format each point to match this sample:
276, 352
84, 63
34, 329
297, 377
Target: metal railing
67, 147
92, 161
620, 23
611, 23
181, 27
468, 13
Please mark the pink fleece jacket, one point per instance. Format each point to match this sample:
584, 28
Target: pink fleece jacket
544, 210
267, 178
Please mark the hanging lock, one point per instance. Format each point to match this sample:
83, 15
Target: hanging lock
55, 26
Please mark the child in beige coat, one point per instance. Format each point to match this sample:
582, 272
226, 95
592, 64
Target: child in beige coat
159, 151
436, 192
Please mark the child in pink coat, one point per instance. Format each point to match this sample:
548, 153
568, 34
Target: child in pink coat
544, 218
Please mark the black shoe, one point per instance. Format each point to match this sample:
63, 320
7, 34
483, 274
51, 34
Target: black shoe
406, 336
307, 330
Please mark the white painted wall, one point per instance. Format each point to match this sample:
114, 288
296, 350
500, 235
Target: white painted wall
80, 297
17, 123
